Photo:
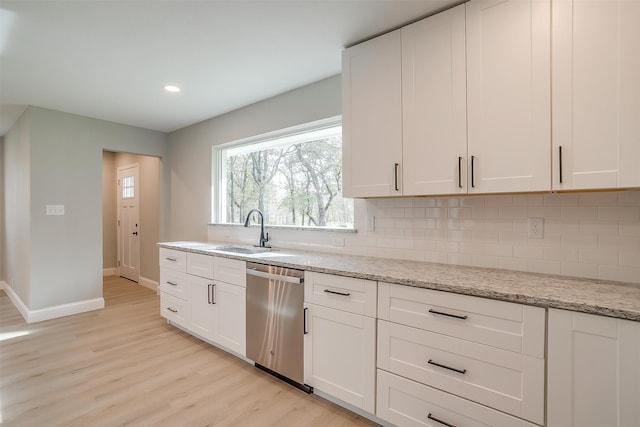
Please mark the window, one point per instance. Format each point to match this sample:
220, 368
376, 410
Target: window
128, 187
293, 176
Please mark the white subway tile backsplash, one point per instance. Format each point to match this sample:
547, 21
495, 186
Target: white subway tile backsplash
619, 273
629, 228
579, 213
598, 199
622, 213
591, 235
544, 266
629, 198
510, 263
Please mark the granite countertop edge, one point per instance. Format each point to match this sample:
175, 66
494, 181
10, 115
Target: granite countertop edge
613, 299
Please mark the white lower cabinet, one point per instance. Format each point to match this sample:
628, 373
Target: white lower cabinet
340, 355
205, 295
593, 374
407, 403
230, 318
459, 359
202, 307
340, 338
174, 309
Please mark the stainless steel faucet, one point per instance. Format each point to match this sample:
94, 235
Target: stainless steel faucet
264, 238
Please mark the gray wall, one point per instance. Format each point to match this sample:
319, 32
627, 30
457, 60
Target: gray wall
2, 241
109, 211
62, 155
190, 148
16, 258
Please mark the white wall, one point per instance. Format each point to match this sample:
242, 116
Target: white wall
62, 155
190, 148
2, 232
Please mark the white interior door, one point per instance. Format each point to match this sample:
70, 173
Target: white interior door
129, 222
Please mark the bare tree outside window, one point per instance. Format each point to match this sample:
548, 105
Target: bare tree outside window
295, 183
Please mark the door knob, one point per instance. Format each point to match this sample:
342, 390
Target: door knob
135, 233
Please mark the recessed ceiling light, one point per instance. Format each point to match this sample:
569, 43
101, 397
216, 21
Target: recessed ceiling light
171, 88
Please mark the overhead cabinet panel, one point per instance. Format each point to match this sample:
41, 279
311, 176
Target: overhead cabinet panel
508, 96
371, 113
596, 94
434, 105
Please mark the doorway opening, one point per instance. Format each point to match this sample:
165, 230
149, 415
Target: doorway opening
131, 216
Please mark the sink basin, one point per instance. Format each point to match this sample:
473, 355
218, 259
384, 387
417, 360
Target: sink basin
243, 249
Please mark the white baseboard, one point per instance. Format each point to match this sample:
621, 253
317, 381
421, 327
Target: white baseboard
32, 316
111, 271
148, 283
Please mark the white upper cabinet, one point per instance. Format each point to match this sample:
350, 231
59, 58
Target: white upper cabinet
508, 95
434, 105
372, 119
596, 94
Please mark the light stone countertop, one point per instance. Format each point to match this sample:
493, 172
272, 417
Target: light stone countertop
614, 299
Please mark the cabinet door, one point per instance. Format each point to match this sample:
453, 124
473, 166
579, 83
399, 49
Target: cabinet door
434, 105
508, 102
593, 373
202, 308
596, 94
230, 317
371, 117
340, 350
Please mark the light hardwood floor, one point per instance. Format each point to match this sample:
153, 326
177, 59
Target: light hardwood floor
125, 365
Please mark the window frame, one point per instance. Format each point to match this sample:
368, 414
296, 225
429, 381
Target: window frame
217, 204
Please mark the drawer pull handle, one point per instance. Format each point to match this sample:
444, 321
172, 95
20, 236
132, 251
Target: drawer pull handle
344, 294
172, 283
173, 310
431, 417
461, 371
447, 314
171, 259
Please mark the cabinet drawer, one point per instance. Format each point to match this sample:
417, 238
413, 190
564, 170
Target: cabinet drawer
508, 381
200, 265
173, 259
174, 309
343, 293
231, 271
500, 324
406, 403
173, 282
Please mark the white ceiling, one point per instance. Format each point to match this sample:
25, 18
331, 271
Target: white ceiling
109, 59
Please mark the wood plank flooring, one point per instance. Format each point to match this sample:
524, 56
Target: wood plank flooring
124, 365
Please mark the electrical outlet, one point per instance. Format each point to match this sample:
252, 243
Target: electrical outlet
54, 210
371, 223
535, 228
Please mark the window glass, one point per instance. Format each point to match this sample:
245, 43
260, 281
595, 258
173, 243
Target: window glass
294, 179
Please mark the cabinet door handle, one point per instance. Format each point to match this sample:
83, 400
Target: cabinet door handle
209, 294
171, 283
560, 162
447, 314
172, 310
171, 259
459, 172
344, 294
431, 417
473, 164
304, 320
439, 365
395, 174
213, 293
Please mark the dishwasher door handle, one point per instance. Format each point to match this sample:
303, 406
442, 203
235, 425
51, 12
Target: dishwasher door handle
264, 275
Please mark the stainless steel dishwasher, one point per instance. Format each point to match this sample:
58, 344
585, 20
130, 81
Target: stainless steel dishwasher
276, 321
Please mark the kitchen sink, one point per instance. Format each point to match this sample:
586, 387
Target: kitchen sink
243, 249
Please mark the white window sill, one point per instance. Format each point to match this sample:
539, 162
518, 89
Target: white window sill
293, 227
